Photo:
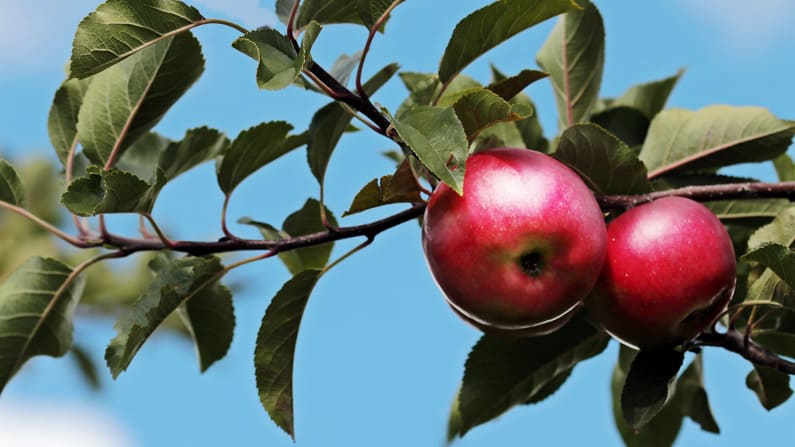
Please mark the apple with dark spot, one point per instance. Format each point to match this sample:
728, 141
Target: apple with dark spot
519, 251
670, 272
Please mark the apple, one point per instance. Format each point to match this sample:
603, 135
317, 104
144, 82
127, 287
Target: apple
670, 272
523, 246
532, 331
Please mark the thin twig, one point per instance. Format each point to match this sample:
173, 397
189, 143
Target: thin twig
378, 24
79, 243
735, 341
224, 245
730, 191
341, 93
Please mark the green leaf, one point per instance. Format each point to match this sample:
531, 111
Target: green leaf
290, 258
769, 287
437, 137
550, 388
283, 9
713, 137
198, 146
62, 119
454, 422
209, 317
500, 135
502, 372
275, 349
343, 67
649, 385
422, 87
661, 431
371, 10
270, 233
491, 25
11, 189
152, 157
85, 364
175, 282
250, 151
776, 257
364, 12
785, 168
630, 125
573, 55
771, 386
399, 187
752, 209
780, 231
746, 212
692, 396
111, 191
482, 108
307, 220
125, 101
120, 28
278, 62
530, 128
152, 152
605, 163
649, 98
507, 88
331, 121
326, 11
141, 158
36, 311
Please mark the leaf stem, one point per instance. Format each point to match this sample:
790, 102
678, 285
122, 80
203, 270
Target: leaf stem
160, 235
223, 22
378, 24
224, 227
347, 255
77, 242
80, 223
291, 24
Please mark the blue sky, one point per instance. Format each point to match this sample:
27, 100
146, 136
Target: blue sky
379, 355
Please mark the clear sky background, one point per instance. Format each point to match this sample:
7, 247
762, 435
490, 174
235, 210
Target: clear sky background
379, 354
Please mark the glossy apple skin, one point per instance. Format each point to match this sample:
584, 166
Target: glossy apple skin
670, 271
521, 248
532, 331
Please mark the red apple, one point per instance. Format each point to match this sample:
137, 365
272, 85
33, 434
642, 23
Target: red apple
669, 273
523, 246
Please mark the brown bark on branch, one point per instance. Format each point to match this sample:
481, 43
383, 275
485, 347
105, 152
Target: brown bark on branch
735, 341
730, 191
197, 248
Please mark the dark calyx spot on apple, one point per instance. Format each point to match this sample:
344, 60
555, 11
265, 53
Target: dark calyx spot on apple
532, 263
